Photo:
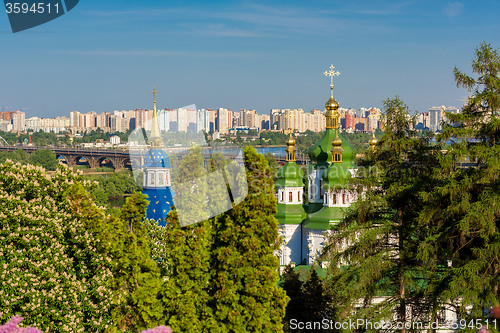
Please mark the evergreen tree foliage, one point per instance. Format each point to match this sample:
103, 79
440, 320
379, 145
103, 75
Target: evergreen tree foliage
221, 273
309, 300
463, 209
136, 279
136, 274
292, 285
245, 270
184, 253
316, 305
374, 250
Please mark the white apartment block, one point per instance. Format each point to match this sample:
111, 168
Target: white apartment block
222, 121
164, 120
202, 121
55, 125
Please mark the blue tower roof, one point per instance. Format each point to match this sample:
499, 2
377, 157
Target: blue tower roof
156, 158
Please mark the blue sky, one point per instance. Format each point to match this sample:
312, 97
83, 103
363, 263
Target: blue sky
108, 55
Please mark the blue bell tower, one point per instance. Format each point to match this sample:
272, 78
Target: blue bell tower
157, 175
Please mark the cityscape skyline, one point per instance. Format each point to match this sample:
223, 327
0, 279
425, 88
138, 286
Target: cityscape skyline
245, 54
219, 121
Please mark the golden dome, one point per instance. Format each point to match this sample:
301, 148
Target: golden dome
337, 142
337, 149
290, 149
373, 141
332, 115
332, 104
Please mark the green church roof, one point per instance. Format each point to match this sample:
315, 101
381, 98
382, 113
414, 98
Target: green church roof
290, 175
321, 155
313, 207
290, 214
321, 219
336, 175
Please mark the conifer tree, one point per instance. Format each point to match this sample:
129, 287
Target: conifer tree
135, 278
292, 285
463, 209
316, 305
245, 269
373, 251
185, 292
309, 301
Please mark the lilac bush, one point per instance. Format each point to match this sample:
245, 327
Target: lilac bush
159, 329
11, 326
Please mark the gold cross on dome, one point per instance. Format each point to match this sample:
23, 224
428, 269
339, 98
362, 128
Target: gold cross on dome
154, 94
331, 73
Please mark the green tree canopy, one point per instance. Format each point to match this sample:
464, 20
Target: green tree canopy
45, 158
463, 208
374, 250
245, 270
51, 271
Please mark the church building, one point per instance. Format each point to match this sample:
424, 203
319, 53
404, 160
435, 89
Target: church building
157, 175
303, 228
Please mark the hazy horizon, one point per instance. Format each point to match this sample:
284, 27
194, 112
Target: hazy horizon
106, 56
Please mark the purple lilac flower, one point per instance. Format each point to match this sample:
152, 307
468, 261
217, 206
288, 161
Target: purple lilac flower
10, 326
158, 329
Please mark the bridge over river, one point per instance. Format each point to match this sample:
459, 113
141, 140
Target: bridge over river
122, 158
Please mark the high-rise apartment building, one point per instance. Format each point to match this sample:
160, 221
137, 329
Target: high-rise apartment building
18, 121
435, 118
74, 118
164, 120
349, 118
202, 121
222, 121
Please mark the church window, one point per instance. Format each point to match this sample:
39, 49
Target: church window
282, 196
162, 177
334, 201
321, 188
343, 198
298, 196
290, 197
152, 179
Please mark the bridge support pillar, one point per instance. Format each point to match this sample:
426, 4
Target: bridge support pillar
71, 161
93, 161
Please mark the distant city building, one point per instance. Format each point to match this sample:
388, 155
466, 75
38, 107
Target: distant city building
222, 121
202, 121
437, 116
164, 120
55, 125
349, 119
114, 139
16, 118
5, 125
